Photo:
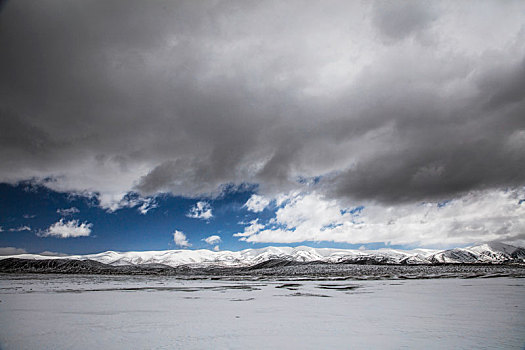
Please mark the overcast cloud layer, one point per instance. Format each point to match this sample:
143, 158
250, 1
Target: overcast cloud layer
376, 103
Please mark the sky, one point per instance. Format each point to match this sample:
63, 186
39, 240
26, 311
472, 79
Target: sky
152, 125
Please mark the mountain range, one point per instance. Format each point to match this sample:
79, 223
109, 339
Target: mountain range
488, 253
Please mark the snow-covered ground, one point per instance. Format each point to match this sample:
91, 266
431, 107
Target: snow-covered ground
145, 312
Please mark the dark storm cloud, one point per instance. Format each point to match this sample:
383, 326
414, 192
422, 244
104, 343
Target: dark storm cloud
505, 85
443, 147
397, 20
185, 97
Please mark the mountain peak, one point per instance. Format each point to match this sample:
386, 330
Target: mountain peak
494, 247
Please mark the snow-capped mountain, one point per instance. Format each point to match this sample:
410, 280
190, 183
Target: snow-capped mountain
484, 253
494, 252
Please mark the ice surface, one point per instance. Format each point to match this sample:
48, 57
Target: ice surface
152, 312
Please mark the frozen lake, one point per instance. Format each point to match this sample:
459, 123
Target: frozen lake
145, 312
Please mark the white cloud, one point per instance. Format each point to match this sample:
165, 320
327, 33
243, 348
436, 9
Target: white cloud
180, 239
28, 216
251, 230
147, 205
11, 251
20, 228
201, 210
67, 212
475, 217
256, 203
69, 229
130, 200
216, 248
212, 239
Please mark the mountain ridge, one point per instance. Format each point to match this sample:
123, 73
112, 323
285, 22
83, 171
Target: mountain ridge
487, 253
